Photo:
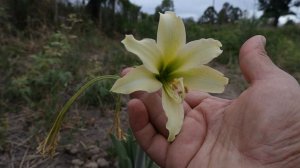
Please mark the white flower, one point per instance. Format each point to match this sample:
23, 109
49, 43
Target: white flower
173, 66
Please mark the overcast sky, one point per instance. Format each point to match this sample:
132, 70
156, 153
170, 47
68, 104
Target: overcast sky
195, 8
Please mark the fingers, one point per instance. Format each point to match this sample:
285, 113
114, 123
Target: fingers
125, 71
185, 146
212, 107
189, 141
153, 143
138, 117
254, 62
152, 103
195, 98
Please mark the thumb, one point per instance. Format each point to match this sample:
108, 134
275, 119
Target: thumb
254, 61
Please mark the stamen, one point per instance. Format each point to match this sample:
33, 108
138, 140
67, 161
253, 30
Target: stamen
186, 90
176, 89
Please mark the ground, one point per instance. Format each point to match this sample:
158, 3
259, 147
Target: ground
87, 144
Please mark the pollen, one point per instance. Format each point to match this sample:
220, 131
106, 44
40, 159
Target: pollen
176, 89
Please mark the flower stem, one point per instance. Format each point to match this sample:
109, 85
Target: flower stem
48, 146
116, 128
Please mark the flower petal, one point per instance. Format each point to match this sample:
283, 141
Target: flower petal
137, 79
146, 50
204, 79
175, 114
170, 35
197, 53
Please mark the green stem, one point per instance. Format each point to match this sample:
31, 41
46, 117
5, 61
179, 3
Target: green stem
49, 145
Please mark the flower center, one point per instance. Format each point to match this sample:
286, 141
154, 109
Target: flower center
165, 72
175, 89
164, 75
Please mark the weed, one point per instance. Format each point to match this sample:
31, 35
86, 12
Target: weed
129, 154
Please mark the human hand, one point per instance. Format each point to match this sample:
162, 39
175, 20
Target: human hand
261, 128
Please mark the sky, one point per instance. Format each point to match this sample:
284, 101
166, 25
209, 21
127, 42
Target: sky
195, 8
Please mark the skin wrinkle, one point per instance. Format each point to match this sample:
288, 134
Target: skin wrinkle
147, 145
288, 139
231, 147
242, 118
294, 145
224, 104
190, 118
280, 143
214, 144
264, 161
193, 98
187, 108
190, 160
291, 162
206, 132
204, 112
275, 154
293, 136
250, 157
206, 101
148, 149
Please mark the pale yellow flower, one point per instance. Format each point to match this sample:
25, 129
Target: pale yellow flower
173, 66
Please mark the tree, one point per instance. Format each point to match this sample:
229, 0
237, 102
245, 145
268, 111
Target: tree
223, 15
114, 15
229, 14
166, 5
210, 16
102, 12
128, 15
297, 3
30, 14
275, 8
235, 14
93, 8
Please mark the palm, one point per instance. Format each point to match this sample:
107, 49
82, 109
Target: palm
251, 128
258, 129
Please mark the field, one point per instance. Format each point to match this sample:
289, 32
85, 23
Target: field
41, 69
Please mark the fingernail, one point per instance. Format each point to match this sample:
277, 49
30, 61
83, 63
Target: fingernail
125, 71
263, 40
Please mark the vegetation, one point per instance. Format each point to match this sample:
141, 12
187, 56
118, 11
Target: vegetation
129, 154
228, 14
49, 48
274, 9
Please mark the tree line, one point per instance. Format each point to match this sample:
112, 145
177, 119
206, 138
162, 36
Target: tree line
122, 15
228, 14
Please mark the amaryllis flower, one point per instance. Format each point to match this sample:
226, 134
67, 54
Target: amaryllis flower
173, 66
